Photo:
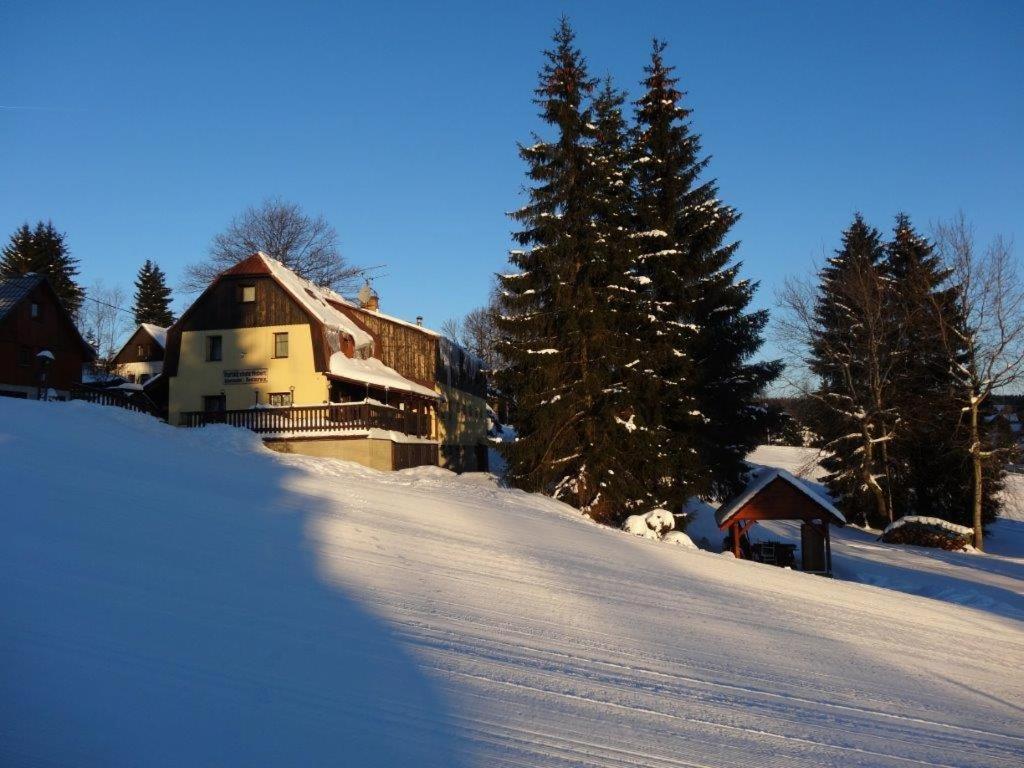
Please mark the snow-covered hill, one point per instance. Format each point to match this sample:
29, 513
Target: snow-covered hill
172, 597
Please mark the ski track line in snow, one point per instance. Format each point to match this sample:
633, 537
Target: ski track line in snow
826, 727
417, 638
391, 597
709, 724
529, 656
559, 745
422, 633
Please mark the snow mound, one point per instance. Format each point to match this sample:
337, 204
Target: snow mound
679, 538
660, 521
637, 526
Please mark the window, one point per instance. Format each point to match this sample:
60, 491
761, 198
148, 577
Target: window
142, 350
280, 345
214, 404
36, 310
248, 294
213, 348
279, 398
25, 357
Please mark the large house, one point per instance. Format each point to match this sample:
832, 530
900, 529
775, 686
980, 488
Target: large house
142, 356
316, 374
41, 350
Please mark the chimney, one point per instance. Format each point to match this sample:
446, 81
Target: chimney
368, 298
419, 319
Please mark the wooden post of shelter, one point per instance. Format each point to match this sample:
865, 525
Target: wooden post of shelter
828, 547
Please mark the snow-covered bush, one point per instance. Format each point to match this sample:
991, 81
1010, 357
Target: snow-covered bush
660, 520
679, 538
928, 532
637, 525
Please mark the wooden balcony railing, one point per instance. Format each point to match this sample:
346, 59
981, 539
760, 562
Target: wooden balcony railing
316, 418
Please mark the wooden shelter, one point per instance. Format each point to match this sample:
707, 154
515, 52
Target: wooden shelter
774, 494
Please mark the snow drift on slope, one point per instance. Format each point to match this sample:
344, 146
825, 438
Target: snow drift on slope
161, 608
188, 598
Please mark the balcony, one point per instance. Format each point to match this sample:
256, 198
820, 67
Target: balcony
337, 418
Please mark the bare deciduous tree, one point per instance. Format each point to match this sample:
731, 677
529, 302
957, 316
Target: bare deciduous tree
476, 332
986, 350
104, 321
308, 245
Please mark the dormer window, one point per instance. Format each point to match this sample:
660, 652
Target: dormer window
248, 294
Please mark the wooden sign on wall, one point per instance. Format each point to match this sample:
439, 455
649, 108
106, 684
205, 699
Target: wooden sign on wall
245, 376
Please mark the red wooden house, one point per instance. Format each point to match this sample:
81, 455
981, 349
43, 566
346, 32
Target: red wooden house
40, 347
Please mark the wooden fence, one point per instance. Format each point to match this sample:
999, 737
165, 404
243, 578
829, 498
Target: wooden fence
129, 400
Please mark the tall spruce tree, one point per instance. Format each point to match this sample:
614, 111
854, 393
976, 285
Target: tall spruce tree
624, 438
557, 329
152, 296
699, 337
932, 462
855, 354
44, 250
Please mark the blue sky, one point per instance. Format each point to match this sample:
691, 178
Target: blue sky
141, 129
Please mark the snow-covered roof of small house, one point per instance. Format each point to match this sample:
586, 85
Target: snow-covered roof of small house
760, 480
158, 333
317, 301
373, 372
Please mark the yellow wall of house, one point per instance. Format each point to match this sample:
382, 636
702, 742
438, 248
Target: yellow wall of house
242, 349
462, 418
369, 452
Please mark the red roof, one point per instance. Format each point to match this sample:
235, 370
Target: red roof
254, 265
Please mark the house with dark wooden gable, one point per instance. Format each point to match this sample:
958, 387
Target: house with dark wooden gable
40, 347
316, 374
142, 356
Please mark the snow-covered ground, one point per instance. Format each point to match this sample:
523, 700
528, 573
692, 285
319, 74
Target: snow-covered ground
174, 597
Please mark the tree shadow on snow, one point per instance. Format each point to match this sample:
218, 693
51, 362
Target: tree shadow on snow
162, 607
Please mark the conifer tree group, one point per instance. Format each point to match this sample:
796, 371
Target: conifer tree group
624, 330
890, 418
152, 296
43, 250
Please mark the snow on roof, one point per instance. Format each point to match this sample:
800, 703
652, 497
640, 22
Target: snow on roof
373, 372
762, 480
317, 301
377, 313
158, 333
